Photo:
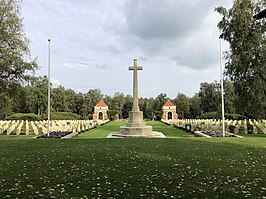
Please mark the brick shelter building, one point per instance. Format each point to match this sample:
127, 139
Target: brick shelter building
100, 111
169, 111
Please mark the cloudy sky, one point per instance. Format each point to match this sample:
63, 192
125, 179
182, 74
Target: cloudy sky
94, 41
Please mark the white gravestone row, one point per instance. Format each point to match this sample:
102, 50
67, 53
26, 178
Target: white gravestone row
40, 127
232, 126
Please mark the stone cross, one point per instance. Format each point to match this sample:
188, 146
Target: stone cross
135, 68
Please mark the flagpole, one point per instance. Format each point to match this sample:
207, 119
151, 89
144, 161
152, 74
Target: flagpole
222, 84
49, 88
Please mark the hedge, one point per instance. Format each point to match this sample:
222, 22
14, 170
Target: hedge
54, 116
24, 116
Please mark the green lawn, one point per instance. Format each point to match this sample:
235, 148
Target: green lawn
183, 167
110, 127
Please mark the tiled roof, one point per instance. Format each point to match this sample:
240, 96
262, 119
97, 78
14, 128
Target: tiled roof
101, 104
169, 103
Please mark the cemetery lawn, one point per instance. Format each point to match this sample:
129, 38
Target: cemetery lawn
181, 166
105, 130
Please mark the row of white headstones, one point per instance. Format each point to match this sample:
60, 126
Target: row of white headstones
232, 126
20, 127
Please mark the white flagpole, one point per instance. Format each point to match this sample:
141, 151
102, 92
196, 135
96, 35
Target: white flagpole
222, 83
49, 89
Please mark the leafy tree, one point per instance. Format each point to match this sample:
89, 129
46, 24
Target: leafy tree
31, 98
112, 114
79, 101
159, 101
127, 106
246, 60
148, 110
195, 106
145, 105
5, 106
108, 100
182, 103
92, 97
13, 47
58, 96
39, 97
210, 96
118, 103
13, 53
70, 97
229, 97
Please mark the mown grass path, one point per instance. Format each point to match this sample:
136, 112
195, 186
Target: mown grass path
183, 167
103, 131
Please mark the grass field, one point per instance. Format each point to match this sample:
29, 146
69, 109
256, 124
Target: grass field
181, 166
110, 127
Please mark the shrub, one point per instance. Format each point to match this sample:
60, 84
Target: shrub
209, 115
235, 116
112, 114
215, 115
232, 128
24, 116
158, 115
62, 116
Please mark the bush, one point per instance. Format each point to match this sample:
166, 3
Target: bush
214, 115
62, 116
158, 115
235, 116
232, 128
112, 114
24, 116
209, 115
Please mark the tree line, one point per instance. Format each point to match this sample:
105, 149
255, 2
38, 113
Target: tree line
32, 98
245, 69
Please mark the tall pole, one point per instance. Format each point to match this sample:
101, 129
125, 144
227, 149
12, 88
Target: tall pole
49, 88
222, 84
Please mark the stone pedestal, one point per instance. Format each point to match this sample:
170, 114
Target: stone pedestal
135, 119
136, 127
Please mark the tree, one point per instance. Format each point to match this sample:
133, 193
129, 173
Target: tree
229, 97
38, 90
92, 97
195, 106
148, 110
79, 101
13, 51
118, 103
71, 98
127, 106
182, 105
246, 60
13, 47
5, 106
58, 96
159, 102
210, 96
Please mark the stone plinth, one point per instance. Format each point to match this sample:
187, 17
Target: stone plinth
141, 131
136, 127
119, 134
135, 119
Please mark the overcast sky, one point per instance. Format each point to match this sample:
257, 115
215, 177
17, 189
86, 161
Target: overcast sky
93, 42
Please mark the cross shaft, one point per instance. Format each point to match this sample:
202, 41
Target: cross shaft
135, 68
